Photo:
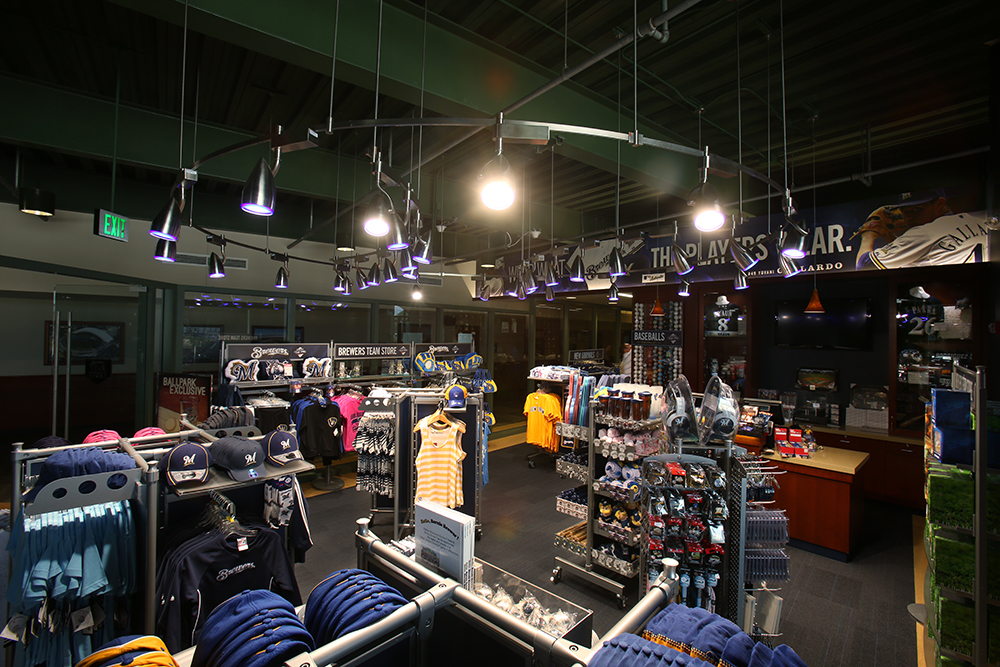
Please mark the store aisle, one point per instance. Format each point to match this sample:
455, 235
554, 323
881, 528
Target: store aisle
835, 613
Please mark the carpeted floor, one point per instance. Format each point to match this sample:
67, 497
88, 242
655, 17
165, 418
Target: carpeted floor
834, 613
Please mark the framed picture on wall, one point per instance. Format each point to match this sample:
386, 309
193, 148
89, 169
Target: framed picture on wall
201, 343
90, 340
265, 334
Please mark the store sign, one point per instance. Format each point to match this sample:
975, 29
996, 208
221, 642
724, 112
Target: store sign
110, 225
652, 278
181, 395
271, 351
360, 351
443, 348
586, 355
658, 338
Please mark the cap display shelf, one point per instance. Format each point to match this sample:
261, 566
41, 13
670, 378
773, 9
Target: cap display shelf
572, 470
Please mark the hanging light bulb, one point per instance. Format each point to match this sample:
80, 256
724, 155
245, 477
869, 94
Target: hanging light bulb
550, 293
166, 251
389, 273
616, 263
740, 281
705, 199
258, 192
216, 266
418, 294
576, 272
684, 288
497, 193
613, 293
377, 219
167, 223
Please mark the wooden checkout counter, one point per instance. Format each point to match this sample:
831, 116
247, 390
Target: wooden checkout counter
823, 496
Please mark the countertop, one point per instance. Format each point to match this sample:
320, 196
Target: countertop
829, 458
868, 433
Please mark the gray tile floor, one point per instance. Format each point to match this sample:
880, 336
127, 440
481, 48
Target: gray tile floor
834, 613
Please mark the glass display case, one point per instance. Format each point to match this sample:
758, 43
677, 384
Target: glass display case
726, 320
933, 329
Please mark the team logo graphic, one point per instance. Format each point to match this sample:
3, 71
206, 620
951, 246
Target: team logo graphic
238, 370
251, 459
189, 460
332, 422
274, 369
313, 367
285, 444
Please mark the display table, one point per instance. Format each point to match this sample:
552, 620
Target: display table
824, 499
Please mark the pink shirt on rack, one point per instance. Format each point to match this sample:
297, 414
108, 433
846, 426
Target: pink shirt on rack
350, 416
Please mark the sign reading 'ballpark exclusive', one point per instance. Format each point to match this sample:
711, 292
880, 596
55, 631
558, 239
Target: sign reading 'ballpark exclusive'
361, 351
657, 338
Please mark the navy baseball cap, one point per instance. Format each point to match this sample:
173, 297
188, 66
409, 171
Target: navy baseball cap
784, 656
761, 656
456, 396
79, 461
241, 457
711, 637
737, 651
234, 616
186, 462
282, 447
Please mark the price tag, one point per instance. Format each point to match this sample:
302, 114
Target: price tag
14, 631
241, 544
82, 619
288, 369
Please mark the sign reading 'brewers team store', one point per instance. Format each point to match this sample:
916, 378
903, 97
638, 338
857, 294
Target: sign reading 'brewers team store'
360, 351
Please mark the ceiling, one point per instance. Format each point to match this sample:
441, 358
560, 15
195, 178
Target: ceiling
849, 94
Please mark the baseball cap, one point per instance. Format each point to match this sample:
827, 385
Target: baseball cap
425, 362
79, 461
737, 651
920, 197
131, 650
148, 431
186, 462
784, 656
241, 457
230, 616
281, 447
760, 656
101, 436
456, 396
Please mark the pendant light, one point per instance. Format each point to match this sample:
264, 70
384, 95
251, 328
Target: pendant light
166, 251
347, 284
520, 293
360, 280
657, 310
613, 293
397, 237
374, 275
167, 223
417, 294
281, 278
787, 266
497, 194
484, 292
389, 273
258, 191
742, 256
217, 265
705, 200
406, 263
422, 253
338, 282
377, 219
814, 304
412, 274
550, 275
740, 281
684, 288
550, 294
616, 264
576, 272
37, 202
682, 261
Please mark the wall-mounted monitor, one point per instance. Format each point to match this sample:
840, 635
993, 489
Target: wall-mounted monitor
846, 324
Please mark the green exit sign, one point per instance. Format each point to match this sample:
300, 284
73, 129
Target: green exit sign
110, 225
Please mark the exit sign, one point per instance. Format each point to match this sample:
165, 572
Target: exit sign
110, 225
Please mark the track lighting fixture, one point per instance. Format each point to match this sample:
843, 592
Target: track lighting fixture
512, 286
550, 294
705, 200
167, 223
360, 279
520, 293
217, 265
551, 280
412, 274
37, 202
497, 193
793, 243
166, 251
406, 263
422, 253
377, 219
418, 294
616, 263
258, 192
374, 275
576, 272
338, 281
389, 273
743, 258
281, 279
397, 236
484, 292
347, 284
613, 293
788, 267
682, 263
684, 288
740, 281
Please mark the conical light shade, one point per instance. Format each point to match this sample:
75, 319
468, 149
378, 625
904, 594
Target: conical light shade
613, 293
787, 266
397, 239
258, 192
167, 223
814, 305
389, 273
657, 310
682, 263
684, 288
576, 273
484, 292
347, 284
406, 262
616, 264
377, 218
551, 280
740, 281
742, 256
360, 280
37, 202
216, 267
794, 243
520, 293
281, 279
374, 275
512, 286
412, 274
338, 282
550, 294
166, 251
423, 254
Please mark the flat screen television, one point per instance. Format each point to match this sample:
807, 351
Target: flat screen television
846, 324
